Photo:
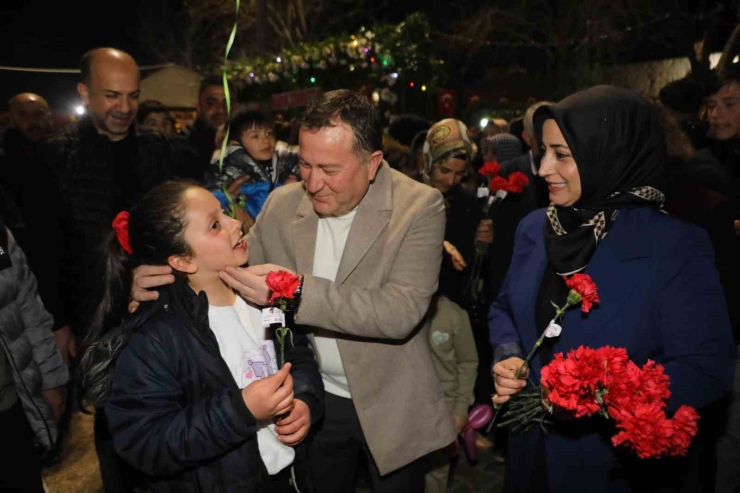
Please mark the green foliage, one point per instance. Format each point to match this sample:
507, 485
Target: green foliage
382, 56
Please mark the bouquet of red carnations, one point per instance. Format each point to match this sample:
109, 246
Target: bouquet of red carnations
604, 381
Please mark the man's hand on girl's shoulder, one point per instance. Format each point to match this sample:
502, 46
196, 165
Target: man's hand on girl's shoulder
147, 277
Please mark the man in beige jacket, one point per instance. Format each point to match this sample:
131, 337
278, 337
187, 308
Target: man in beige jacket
368, 242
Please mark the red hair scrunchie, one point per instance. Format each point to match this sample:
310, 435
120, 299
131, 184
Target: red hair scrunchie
120, 226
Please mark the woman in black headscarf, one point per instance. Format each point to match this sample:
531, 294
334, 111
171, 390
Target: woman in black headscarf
660, 297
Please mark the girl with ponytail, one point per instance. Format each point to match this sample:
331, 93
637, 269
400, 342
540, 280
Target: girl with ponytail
189, 382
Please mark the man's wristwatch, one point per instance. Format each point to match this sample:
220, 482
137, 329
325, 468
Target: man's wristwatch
297, 294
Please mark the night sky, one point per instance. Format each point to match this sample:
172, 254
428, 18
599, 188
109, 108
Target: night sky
40, 33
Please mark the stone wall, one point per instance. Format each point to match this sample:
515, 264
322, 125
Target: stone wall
648, 78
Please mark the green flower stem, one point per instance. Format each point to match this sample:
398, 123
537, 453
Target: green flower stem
523, 419
572, 295
527, 403
281, 332
537, 345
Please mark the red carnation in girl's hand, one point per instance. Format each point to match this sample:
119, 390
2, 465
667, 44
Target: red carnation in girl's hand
499, 183
283, 284
491, 168
517, 182
585, 288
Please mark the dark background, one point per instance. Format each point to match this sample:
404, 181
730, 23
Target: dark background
53, 34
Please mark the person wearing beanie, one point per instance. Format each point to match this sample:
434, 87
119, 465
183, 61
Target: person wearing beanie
503, 147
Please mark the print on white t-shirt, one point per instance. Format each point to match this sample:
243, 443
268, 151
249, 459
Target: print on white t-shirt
259, 363
250, 356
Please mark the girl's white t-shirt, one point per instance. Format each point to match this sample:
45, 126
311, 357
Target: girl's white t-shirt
241, 341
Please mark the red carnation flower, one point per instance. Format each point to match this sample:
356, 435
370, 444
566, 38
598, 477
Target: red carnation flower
654, 383
646, 430
622, 385
491, 168
517, 182
283, 284
585, 288
588, 381
573, 381
499, 183
684, 429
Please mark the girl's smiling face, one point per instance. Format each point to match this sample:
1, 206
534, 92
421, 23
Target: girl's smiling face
216, 240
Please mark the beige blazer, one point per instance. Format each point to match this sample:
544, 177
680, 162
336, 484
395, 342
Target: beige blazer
386, 279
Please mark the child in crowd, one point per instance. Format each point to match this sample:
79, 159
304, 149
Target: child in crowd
154, 117
254, 155
190, 381
456, 361
254, 164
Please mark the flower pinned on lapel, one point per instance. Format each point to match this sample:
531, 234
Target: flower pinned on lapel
583, 290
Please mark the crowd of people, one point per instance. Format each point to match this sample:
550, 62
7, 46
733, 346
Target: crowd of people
134, 261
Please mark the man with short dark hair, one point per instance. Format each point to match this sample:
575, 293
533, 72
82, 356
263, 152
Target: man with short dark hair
154, 117
368, 242
201, 136
723, 106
